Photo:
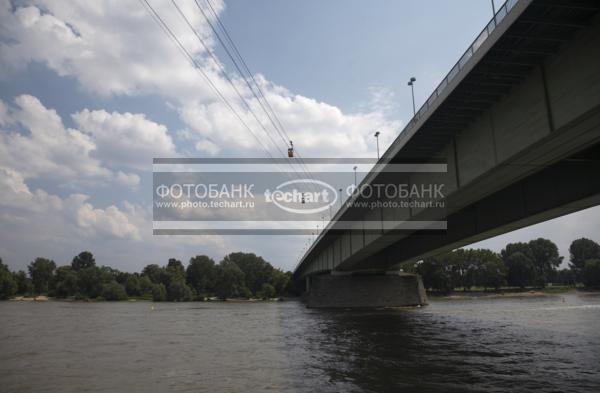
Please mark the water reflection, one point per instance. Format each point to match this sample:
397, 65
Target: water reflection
485, 345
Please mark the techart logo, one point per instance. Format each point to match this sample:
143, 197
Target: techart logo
302, 196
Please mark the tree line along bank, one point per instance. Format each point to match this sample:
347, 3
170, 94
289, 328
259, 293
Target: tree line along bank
238, 275
519, 265
245, 275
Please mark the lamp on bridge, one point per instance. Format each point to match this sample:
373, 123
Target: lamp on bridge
377, 138
411, 83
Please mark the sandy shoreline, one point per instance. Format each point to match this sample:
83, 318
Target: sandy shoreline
475, 295
511, 295
40, 298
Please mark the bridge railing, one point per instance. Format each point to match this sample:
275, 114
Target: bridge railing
454, 71
462, 62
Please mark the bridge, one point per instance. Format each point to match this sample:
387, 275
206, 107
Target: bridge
517, 122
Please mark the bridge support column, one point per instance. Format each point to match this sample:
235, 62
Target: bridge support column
363, 291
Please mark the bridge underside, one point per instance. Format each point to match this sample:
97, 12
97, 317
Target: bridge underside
565, 187
519, 127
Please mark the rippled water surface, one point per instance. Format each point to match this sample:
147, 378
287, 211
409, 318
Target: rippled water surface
542, 344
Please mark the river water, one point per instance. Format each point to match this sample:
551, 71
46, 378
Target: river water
544, 344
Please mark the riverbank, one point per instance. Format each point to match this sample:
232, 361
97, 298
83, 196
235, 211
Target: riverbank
513, 294
42, 298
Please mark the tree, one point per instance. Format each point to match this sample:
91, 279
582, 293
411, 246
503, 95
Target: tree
145, 286
8, 286
41, 271
425, 269
84, 260
65, 282
159, 292
582, 250
543, 253
434, 275
201, 274
178, 291
512, 248
256, 270
293, 287
441, 281
23, 282
267, 291
156, 274
230, 280
175, 270
566, 277
545, 257
279, 281
91, 281
132, 285
491, 271
591, 273
521, 271
462, 265
113, 291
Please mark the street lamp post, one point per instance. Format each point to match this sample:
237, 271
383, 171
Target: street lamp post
355, 185
377, 138
411, 83
340, 198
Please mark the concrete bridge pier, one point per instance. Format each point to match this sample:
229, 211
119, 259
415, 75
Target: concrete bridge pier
365, 290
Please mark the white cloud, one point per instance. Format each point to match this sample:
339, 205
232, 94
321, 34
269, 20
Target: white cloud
128, 179
110, 47
208, 147
39, 208
125, 139
13, 181
46, 148
113, 49
36, 223
111, 221
39, 146
316, 128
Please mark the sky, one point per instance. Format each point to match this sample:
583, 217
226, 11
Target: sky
90, 92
